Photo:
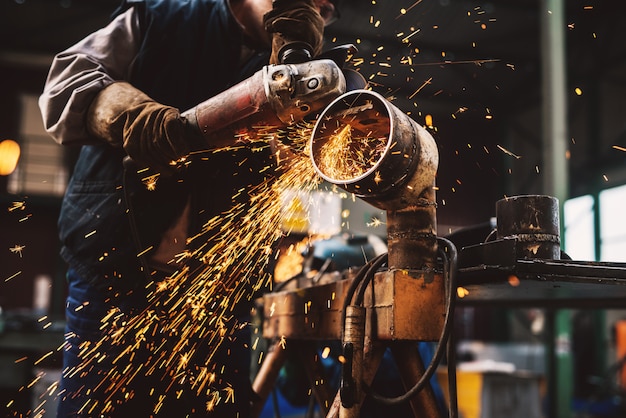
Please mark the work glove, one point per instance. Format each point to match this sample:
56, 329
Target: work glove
151, 133
297, 31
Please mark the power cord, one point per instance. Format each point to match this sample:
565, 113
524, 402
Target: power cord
449, 255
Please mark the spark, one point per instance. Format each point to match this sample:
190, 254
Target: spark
17, 249
12, 277
42, 358
144, 251
230, 394
446, 62
375, 223
406, 39
506, 151
150, 182
404, 11
617, 147
326, 352
514, 281
462, 292
17, 206
427, 82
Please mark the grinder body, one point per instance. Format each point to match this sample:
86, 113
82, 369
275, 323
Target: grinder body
275, 96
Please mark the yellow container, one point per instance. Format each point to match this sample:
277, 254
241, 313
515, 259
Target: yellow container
488, 394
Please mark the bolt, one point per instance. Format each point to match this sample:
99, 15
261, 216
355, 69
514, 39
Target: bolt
313, 83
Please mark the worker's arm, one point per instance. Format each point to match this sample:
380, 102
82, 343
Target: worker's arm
83, 100
79, 73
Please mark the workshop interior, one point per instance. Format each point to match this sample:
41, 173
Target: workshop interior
468, 260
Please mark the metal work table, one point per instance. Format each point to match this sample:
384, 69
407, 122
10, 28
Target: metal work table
492, 274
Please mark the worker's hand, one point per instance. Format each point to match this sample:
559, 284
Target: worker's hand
151, 133
297, 31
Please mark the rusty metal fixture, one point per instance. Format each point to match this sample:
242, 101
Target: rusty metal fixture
367, 146
352, 371
533, 220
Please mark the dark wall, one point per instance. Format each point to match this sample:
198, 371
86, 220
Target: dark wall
29, 245
28, 248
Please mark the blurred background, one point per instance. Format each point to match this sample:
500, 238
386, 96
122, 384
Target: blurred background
522, 97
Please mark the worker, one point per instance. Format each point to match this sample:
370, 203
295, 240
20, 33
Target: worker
121, 94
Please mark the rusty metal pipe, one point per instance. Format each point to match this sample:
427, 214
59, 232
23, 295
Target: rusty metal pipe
367, 146
533, 220
266, 377
353, 345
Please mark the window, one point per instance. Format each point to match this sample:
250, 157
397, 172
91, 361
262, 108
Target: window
580, 234
578, 237
613, 224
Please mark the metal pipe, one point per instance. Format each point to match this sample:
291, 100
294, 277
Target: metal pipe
266, 377
353, 346
367, 146
534, 221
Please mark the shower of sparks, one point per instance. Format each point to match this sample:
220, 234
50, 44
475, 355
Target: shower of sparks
346, 156
193, 309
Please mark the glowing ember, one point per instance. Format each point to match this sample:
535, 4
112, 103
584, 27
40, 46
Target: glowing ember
514, 281
462, 292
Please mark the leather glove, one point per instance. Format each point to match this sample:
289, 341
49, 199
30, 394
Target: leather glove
151, 133
297, 31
